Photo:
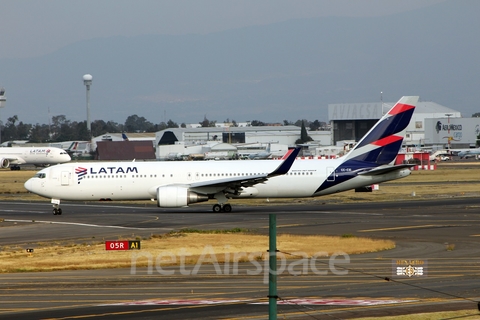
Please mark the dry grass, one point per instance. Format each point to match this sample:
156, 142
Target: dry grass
228, 247
460, 314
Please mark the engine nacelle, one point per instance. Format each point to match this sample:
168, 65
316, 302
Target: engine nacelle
175, 196
4, 163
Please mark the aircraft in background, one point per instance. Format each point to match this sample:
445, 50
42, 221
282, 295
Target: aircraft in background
39, 156
178, 184
468, 153
261, 155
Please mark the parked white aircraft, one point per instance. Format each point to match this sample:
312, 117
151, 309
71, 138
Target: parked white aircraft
178, 184
261, 155
468, 153
39, 156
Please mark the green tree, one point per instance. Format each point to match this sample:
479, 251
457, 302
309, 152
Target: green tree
207, 123
304, 137
100, 127
315, 125
135, 123
23, 130
257, 123
171, 124
10, 129
61, 129
40, 133
81, 131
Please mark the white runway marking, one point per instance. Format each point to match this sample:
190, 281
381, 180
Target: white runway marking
77, 224
327, 302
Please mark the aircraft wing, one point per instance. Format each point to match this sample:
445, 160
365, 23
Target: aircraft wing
385, 169
235, 184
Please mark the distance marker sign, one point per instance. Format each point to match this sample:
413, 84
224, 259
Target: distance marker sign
122, 245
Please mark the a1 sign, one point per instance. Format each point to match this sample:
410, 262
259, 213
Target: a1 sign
122, 245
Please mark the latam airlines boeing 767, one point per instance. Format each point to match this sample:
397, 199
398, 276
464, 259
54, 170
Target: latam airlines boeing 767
178, 184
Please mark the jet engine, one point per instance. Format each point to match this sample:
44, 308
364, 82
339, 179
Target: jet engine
4, 163
176, 196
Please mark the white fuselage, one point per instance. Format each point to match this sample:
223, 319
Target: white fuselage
140, 180
33, 155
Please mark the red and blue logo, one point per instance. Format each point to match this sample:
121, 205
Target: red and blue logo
80, 172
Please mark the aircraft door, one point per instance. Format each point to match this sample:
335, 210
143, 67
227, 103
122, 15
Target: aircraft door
65, 178
330, 176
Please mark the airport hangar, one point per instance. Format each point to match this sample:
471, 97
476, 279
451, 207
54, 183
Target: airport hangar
349, 122
431, 126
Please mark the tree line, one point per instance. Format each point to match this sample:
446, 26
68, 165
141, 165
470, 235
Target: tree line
62, 129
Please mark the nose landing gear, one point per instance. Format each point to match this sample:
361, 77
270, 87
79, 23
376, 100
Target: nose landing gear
56, 207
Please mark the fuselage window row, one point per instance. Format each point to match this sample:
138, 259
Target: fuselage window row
202, 175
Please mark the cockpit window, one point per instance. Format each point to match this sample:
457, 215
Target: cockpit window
40, 175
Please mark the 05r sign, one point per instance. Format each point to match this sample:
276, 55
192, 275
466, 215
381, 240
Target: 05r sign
122, 245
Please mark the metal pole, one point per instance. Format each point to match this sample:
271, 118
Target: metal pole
89, 128
87, 81
272, 276
2, 104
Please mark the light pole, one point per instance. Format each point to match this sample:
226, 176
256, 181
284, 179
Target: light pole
3, 101
87, 81
449, 137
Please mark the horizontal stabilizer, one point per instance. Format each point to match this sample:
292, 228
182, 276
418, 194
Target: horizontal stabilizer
385, 169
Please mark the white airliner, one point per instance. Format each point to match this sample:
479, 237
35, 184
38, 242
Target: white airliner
178, 184
40, 156
261, 155
468, 153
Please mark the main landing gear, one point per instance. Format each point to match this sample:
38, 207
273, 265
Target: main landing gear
222, 205
56, 207
222, 208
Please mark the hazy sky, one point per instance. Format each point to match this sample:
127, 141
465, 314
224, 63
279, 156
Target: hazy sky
36, 27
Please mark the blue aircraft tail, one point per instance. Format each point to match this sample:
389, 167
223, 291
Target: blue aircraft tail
383, 142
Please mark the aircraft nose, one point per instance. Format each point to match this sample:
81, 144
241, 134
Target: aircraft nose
28, 185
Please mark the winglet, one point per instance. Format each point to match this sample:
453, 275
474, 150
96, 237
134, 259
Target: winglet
286, 164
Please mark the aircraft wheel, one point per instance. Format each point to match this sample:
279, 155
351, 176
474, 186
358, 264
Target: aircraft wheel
59, 211
227, 208
217, 208
55, 211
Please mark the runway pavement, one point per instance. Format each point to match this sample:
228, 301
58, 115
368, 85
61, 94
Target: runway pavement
443, 235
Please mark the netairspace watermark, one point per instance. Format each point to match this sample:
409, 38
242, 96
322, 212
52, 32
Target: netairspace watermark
319, 263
